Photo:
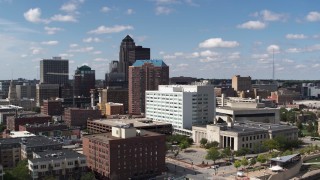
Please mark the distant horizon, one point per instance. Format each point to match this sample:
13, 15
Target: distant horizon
212, 39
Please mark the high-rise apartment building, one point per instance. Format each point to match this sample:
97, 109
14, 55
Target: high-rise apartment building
129, 53
145, 75
181, 105
84, 80
125, 153
241, 83
54, 71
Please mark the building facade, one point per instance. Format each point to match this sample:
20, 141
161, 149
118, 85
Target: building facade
45, 92
84, 80
52, 107
114, 108
181, 105
54, 71
79, 117
241, 83
145, 75
13, 122
125, 153
26, 91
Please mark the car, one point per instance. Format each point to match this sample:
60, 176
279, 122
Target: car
215, 166
240, 173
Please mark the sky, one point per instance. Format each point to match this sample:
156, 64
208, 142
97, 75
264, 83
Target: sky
197, 38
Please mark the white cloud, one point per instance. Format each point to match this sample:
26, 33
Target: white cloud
85, 49
312, 48
195, 55
66, 55
169, 57
105, 9
208, 53
272, 16
294, 50
141, 38
69, 7
166, 1
130, 11
288, 60
63, 18
73, 45
300, 66
97, 52
36, 50
296, 36
260, 56
161, 52
218, 42
34, 16
313, 16
235, 55
50, 43
24, 55
178, 53
52, 30
316, 65
273, 49
114, 29
254, 25
91, 39
100, 59
163, 10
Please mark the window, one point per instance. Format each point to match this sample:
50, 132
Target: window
35, 167
43, 166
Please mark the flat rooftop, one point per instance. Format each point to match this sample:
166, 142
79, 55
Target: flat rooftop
106, 137
15, 134
245, 109
138, 122
35, 141
56, 155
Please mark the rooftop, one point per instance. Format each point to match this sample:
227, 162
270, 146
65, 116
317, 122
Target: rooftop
15, 134
38, 141
56, 155
284, 159
138, 122
157, 63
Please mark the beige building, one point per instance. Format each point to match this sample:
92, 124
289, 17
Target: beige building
114, 108
242, 135
241, 83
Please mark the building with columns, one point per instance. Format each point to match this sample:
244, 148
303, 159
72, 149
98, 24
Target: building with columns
242, 135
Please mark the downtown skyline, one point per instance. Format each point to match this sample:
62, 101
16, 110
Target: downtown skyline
203, 39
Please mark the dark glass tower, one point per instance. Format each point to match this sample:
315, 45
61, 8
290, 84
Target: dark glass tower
84, 80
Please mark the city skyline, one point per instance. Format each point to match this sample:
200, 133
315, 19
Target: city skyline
203, 39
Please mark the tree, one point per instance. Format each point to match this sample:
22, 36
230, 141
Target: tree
214, 144
244, 162
262, 158
184, 145
310, 127
213, 154
283, 114
203, 142
253, 161
88, 176
226, 153
237, 164
242, 152
286, 153
20, 172
270, 144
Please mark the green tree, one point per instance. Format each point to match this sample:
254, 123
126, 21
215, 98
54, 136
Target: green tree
310, 126
244, 162
286, 153
226, 153
237, 164
242, 152
270, 144
20, 172
214, 144
88, 176
184, 145
262, 158
283, 114
213, 154
253, 161
203, 142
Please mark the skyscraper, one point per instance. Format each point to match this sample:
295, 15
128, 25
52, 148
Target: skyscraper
54, 71
84, 80
145, 75
129, 53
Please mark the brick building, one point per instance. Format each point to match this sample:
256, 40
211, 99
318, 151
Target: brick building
114, 108
51, 107
125, 153
145, 75
10, 152
115, 95
79, 117
105, 125
13, 122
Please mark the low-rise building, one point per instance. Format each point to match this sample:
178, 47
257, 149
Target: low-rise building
105, 125
79, 117
13, 122
10, 153
246, 134
52, 107
114, 108
61, 164
125, 153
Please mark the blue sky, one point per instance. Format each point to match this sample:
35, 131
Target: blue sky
198, 38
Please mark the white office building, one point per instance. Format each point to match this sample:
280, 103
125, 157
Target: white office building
181, 105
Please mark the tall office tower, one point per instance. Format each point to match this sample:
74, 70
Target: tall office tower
115, 77
145, 75
241, 83
129, 53
26, 90
84, 80
12, 94
54, 71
